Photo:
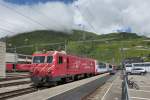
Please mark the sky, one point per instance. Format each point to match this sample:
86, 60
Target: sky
31, 2
99, 16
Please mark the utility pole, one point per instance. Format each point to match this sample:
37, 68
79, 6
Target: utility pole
84, 34
16, 56
36, 48
66, 42
15, 51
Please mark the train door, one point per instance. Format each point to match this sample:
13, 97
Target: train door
61, 64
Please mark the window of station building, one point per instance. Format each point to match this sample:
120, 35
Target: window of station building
147, 65
128, 65
60, 60
49, 59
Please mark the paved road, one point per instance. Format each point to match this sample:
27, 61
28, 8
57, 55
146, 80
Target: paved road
144, 87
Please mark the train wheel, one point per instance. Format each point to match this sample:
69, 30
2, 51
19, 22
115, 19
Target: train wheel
75, 78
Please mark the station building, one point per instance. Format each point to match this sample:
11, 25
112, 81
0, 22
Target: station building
18, 58
2, 59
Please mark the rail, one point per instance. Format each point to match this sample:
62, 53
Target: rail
125, 94
14, 83
15, 93
14, 78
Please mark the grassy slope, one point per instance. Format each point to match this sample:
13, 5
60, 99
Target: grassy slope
41, 37
105, 51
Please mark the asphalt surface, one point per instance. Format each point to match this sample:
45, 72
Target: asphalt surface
143, 93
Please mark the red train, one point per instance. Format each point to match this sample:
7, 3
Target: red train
55, 66
11, 67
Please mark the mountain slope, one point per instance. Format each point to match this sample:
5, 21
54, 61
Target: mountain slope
108, 51
37, 37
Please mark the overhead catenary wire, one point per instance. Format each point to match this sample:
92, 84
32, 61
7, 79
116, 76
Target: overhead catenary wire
59, 43
12, 24
6, 30
32, 45
19, 13
48, 17
83, 14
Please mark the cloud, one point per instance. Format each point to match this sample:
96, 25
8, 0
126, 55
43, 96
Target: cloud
42, 16
100, 16
109, 15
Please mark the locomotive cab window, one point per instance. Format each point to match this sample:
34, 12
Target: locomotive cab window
49, 59
38, 59
60, 60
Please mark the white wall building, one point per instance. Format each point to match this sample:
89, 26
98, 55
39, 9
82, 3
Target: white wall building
17, 58
2, 59
11, 57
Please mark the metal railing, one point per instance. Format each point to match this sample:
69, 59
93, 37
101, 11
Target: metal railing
125, 94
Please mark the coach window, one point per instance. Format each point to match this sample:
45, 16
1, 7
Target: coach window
49, 59
110, 66
60, 60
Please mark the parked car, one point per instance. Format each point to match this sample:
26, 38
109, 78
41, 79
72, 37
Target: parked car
128, 68
140, 71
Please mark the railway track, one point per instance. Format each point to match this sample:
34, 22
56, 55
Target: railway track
77, 90
14, 78
15, 93
14, 83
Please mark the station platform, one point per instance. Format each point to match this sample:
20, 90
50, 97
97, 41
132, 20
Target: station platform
111, 90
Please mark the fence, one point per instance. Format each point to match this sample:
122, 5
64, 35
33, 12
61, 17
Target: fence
125, 94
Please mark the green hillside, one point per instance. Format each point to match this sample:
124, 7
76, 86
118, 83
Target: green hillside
43, 37
106, 47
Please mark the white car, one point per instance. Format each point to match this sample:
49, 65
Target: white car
140, 71
128, 68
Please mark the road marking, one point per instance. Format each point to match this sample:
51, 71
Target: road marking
107, 91
109, 88
138, 90
139, 98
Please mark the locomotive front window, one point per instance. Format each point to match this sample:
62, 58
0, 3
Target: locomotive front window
38, 59
49, 59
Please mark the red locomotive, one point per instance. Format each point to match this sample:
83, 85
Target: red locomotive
54, 66
23, 67
11, 67
18, 62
